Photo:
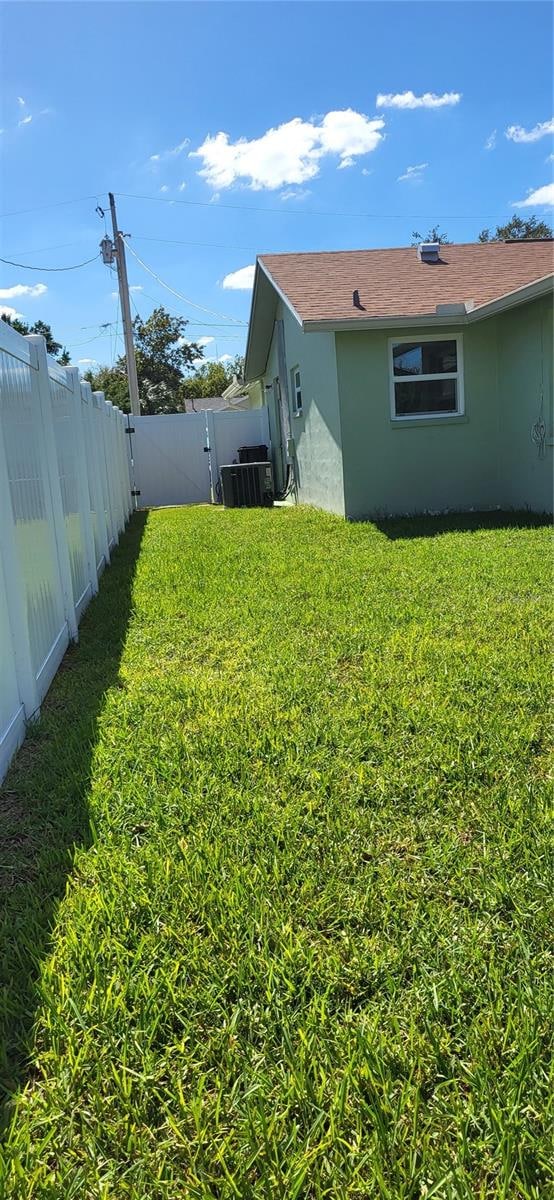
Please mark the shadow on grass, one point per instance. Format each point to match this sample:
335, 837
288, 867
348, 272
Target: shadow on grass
396, 528
44, 811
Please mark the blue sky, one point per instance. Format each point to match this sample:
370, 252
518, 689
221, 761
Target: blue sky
396, 116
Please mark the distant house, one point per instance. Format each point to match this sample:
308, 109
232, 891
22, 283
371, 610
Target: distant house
408, 380
206, 404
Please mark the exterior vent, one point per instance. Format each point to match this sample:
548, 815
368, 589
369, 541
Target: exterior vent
247, 485
429, 252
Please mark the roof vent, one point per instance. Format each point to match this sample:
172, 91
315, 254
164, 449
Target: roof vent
429, 252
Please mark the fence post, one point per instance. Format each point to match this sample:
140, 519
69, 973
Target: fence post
105, 466
15, 595
95, 479
114, 451
211, 441
82, 475
41, 383
98, 417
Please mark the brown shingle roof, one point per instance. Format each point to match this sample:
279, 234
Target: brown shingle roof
395, 283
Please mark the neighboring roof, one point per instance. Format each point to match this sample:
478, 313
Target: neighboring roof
235, 390
207, 403
395, 283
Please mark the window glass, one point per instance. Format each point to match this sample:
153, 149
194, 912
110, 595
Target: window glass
296, 390
415, 396
424, 358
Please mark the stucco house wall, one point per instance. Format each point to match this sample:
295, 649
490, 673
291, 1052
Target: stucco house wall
481, 459
410, 466
525, 393
316, 432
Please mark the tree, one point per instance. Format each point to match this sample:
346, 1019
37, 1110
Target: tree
433, 235
519, 229
52, 347
112, 381
162, 355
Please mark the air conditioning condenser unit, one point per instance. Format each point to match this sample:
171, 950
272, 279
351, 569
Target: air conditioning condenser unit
247, 485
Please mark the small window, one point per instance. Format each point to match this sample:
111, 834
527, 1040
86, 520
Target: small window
296, 391
426, 378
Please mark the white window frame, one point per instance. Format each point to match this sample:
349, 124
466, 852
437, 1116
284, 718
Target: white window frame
296, 410
458, 375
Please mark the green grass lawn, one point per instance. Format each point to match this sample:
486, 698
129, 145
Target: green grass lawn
275, 871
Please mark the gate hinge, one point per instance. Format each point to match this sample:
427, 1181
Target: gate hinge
135, 491
129, 429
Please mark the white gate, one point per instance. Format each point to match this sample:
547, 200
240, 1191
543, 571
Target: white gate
176, 457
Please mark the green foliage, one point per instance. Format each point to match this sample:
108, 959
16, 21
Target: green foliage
519, 228
276, 870
210, 379
432, 235
45, 330
112, 381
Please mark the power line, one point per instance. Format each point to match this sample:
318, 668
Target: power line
196, 324
25, 267
57, 204
43, 249
210, 245
313, 212
180, 296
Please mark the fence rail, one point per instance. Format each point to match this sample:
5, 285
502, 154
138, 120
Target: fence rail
65, 496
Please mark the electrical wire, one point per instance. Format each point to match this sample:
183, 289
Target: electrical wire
210, 245
312, 212
20, 212
179, 295
252, 208
43, 249
74, 267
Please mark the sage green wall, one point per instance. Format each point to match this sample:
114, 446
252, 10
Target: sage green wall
393, 467
272, 372
524, 371
316, 432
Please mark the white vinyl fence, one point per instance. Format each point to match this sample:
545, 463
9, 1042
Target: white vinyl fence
177, 458
65, 496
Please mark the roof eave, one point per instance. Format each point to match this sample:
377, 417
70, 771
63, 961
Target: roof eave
282, 295
254, 370
522, 295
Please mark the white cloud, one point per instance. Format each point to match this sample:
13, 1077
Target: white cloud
365, 171
295, 194
21, 101
25, 120
491, 141
516, 133
550, 158
288, 154
214, 198
223, 358
413, 174
164, 188
241, 280
348, 161
23, 289
135, 287
173, 152
410, 100
182, 186
6, 311
542, 195
87, 362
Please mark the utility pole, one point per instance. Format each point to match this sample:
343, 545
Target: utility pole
119, 250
